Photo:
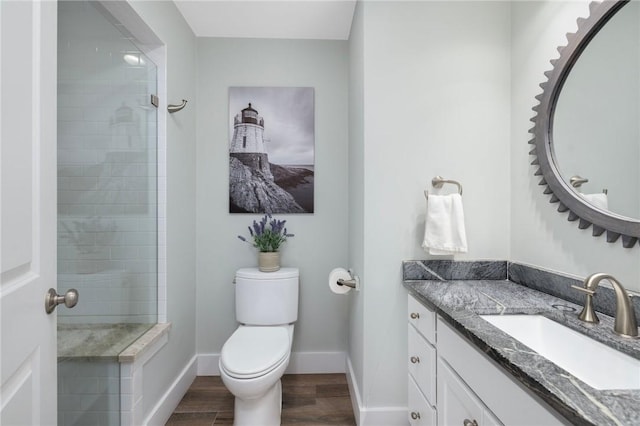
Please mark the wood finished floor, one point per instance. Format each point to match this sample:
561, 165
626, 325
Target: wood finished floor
307, 399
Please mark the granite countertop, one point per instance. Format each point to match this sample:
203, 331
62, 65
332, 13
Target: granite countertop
459, 302
97, 341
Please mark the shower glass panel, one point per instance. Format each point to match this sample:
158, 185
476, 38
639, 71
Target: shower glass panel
107, 207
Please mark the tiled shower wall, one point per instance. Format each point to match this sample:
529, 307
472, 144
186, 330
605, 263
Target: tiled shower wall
107, 172
89, 392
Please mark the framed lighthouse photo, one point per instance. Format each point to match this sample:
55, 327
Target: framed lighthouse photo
271, 149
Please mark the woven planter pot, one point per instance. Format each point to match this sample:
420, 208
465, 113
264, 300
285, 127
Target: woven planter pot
269, 261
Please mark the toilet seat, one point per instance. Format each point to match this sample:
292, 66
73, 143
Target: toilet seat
252, 352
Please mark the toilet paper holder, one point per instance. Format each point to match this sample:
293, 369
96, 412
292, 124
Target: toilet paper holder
354, 282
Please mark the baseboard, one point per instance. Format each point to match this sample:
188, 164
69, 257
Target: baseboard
299, 363
208, 365
384, 416
354, 392
316, 363
372, 416
171, 398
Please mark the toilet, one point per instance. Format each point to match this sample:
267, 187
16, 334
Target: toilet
256, 355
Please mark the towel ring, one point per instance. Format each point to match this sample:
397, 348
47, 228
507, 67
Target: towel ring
438, 181
577, 181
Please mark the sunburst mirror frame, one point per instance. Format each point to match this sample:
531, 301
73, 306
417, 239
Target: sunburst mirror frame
585, 214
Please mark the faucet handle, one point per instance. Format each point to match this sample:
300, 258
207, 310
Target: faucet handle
588, 314
584, 290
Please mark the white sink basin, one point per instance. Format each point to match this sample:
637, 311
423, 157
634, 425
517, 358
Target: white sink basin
596, 364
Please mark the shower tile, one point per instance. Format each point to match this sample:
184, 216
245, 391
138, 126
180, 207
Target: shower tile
70, 171
96, 114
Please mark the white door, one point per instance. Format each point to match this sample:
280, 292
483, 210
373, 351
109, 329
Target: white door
28, 211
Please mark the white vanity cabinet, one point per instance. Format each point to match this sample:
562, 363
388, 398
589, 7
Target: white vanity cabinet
421, 413
507, 399
421, 364
457, 404
452, 383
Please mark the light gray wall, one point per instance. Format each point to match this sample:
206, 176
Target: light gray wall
167, 23
320, 242
540, 235
436, 102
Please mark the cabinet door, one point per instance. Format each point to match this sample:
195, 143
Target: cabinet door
457, 404
498, 390
489, 419
422, 364
420, 412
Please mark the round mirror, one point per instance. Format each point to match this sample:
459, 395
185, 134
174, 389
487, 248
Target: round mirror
587, 133
596, 131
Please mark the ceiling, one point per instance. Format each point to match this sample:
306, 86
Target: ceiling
291, 19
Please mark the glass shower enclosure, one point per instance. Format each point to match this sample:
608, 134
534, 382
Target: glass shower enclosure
107, 207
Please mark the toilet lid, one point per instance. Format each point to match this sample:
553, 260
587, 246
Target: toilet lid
254, 351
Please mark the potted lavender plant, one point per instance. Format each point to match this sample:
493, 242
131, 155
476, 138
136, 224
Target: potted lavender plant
267, 236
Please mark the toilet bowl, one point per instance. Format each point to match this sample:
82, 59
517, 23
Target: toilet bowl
255, 356
251, 364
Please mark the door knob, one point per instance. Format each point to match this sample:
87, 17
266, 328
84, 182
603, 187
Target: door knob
53, 299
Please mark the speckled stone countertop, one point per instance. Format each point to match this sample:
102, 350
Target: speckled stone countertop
97, 341
460, 297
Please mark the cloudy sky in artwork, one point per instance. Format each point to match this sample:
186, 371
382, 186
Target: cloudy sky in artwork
288, 114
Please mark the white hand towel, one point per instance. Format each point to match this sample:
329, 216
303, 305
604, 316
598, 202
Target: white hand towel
444, 231
599, 200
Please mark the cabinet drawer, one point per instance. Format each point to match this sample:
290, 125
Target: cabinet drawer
423, 319
420, 413
422, 364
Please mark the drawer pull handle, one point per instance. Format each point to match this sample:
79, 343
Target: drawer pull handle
414, 315
468, 422
414, 415
415, 360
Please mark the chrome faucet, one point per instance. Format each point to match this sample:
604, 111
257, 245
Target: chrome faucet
625, 323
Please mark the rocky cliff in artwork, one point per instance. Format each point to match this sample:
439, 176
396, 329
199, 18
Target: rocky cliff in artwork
250, 191
289, 177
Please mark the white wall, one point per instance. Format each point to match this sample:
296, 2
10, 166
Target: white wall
320, 242
180, 45
539, 234
436, 102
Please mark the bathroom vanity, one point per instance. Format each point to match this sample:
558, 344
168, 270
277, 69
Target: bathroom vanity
463, 370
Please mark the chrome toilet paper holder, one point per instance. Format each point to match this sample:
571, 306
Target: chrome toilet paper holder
353, 282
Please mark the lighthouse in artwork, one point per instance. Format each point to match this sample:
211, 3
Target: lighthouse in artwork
247, 143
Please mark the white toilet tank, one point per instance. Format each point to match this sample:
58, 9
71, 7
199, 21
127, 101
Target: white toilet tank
267, 298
